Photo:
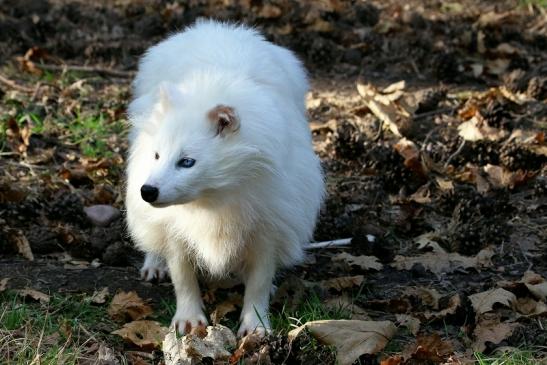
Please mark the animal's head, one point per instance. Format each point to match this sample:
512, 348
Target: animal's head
195, 146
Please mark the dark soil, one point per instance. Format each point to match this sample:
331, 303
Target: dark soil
46, 181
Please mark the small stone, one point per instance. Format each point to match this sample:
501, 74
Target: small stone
102, 215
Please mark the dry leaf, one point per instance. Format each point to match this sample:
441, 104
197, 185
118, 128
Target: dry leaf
412, 323
484, 302
410, 152
99, 297
145, 334
191, 349
453, 304
342, 282
364, 262
388, 105
444, 185
429, 297
491, 330
392, 360
530, 307
34, 294
342, 302
247, 344
23, 247
443, 262
3, 284
499, 177
224, 308
430, 349
128, 305
352, 338
475, 130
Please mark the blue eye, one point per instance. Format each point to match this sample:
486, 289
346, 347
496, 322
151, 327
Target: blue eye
186, 162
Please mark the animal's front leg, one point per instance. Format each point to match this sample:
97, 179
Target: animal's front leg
258, 277
189, 312
154, 267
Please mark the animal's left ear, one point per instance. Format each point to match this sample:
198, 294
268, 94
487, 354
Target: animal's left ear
224, 119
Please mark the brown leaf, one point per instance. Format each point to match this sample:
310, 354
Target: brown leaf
535, 284
412, 323
3, 284
128, 305
343, 282
443, 262
18, 238
33, 294
475, 130
429, 297
145, 334
352, 338
453, 304
491, 330
191, 349
530, 307
484, 302
247, 344
392, 360
500, 177
364, 262
429, 348
224, 308
99, 297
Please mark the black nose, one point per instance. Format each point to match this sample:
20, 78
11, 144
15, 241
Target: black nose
149, 193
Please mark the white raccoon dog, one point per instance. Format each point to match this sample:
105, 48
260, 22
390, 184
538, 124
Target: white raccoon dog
221, 177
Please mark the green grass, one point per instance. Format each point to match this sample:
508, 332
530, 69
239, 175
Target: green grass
91, 134
512, 357
311, 310
55, 333
541, 3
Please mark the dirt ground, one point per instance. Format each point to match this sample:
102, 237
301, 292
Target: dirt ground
441, 178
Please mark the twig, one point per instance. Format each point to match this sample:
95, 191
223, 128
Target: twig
14, 85
96, 69
325, 244
454, 154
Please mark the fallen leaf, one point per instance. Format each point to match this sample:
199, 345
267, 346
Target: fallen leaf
364, 262
499, 177
99, 297
491, 330
392, 360
475, 130
484, 302
536, 284
128, 305
224, 308
247, 344
530, 307
3, 284
191, 349
429, 297
145, 334
443, 262
497, 66
430, 348
352, 338
20, 240
412, 323
33, 294
342, 302
105, 355
453, 304
343, 282
444, 185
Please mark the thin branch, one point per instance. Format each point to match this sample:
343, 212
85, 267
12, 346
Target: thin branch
455, 154
325, 244
4, 80
92, 69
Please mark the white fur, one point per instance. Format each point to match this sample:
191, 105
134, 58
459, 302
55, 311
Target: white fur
250, 202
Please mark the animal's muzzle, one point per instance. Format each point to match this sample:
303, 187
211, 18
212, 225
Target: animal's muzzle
149, 193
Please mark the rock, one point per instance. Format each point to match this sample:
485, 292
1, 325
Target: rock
102, 215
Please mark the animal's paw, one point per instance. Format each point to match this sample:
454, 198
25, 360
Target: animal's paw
154, 268
185, 321
251, 323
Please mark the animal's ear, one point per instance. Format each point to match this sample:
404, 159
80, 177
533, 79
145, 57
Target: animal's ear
224, 119
169, 95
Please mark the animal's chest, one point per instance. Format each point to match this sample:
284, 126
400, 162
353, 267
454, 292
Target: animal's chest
216, 243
